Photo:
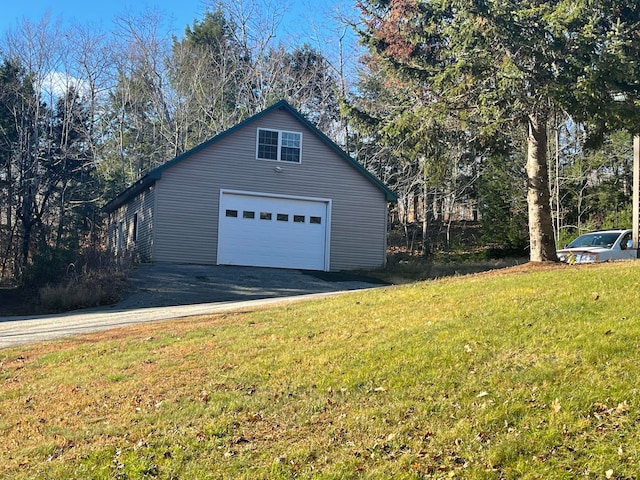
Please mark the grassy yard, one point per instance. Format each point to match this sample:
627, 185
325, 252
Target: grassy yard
525, 373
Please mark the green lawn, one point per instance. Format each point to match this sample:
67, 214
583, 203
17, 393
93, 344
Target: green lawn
530, 373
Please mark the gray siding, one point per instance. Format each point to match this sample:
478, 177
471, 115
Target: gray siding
187, 196
143, 206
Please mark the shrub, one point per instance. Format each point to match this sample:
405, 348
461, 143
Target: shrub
90, 291
95, 278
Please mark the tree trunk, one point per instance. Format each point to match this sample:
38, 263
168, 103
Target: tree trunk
425, 221
542, 243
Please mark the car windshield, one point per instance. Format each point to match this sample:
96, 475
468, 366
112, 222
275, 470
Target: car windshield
595, 240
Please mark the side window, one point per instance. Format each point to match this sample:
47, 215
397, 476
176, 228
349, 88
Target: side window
135, 227
120, 237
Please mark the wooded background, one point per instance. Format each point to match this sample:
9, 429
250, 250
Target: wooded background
442, 104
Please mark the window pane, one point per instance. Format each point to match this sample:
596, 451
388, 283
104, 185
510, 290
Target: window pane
232, 213
247, 214
290, 139
265, 216
290, 155
267, 152
317, 220
268, 137
298, 218
282, 217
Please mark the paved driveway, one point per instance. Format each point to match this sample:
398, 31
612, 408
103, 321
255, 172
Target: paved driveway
165, 291
169, 284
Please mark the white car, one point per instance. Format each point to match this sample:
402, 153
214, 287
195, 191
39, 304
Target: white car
599, 246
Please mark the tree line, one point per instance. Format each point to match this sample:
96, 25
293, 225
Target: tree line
85, 114
491, 81
466, 111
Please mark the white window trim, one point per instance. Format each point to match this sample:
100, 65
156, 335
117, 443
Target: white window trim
280, 132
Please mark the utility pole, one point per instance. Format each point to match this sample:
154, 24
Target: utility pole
636, 191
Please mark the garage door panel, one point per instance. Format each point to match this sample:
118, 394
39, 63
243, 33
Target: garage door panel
272, 232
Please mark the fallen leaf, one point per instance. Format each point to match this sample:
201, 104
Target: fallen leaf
256, 417
556, 405
622, 407
239, 439
609, 473
482, 394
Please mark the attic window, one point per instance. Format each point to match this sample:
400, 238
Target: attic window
279, 146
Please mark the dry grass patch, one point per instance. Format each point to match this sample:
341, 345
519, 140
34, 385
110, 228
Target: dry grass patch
90, 290
403, 268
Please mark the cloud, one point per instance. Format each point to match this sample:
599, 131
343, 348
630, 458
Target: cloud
57, 84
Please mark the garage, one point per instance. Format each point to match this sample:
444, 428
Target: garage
267, 230
271, 191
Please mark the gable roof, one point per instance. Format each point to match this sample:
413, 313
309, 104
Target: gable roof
155, 174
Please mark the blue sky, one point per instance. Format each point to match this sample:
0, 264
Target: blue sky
314, 22
91, 12
302, 19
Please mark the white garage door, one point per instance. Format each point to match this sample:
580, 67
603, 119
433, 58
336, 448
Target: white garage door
269, 231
